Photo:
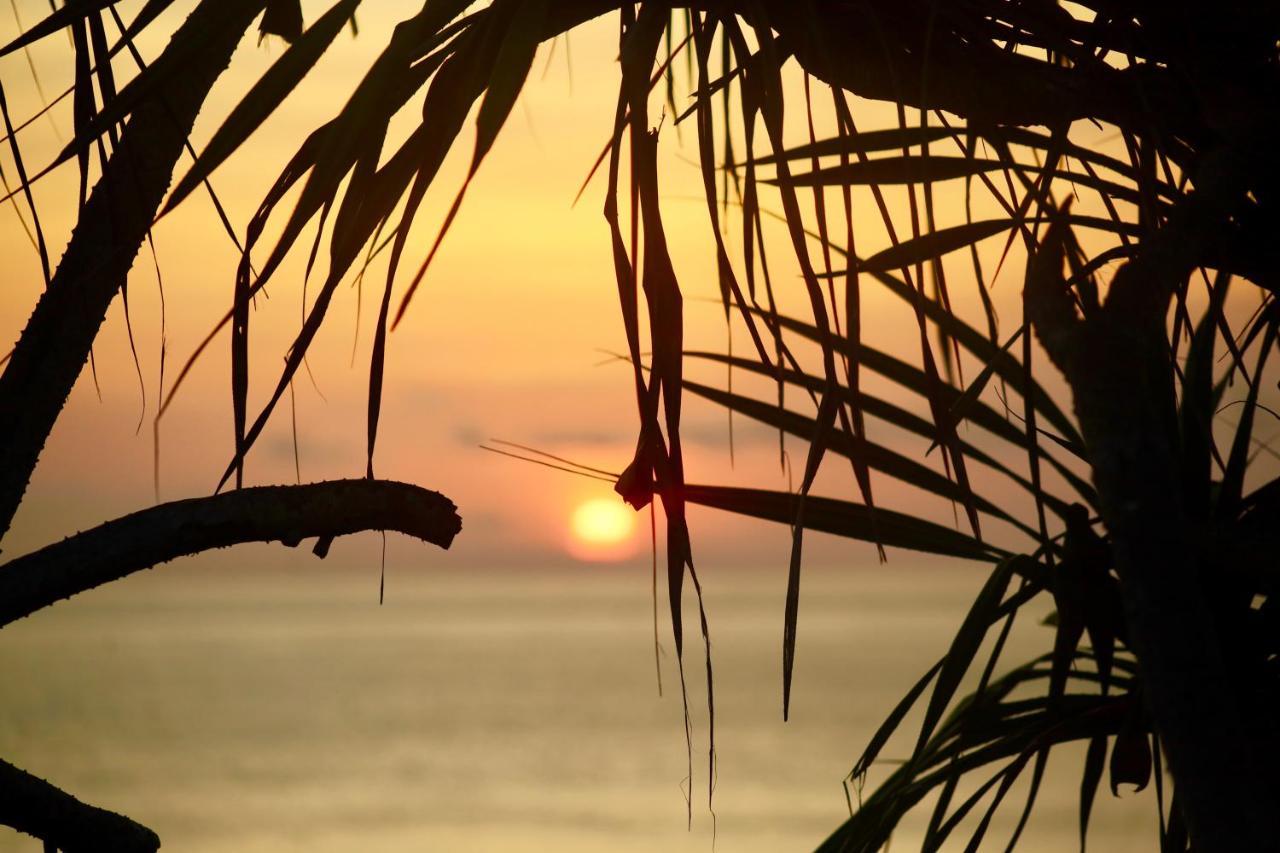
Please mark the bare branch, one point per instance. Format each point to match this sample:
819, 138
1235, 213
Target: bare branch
287, 514
31, 805
55, 344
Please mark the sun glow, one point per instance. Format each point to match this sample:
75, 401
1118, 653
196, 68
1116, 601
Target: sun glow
601, 529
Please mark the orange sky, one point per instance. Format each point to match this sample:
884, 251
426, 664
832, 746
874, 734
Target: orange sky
503, 340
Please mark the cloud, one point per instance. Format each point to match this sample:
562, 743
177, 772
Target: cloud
279, 448
715, 434
470, 434
584, 436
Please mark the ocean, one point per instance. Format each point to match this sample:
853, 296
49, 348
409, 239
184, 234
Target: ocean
285, 710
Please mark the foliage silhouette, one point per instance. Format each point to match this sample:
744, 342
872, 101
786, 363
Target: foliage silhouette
1151, 540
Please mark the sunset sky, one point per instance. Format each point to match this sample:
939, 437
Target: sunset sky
508, 337
508, 693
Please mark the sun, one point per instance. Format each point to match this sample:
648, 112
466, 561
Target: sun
601, 529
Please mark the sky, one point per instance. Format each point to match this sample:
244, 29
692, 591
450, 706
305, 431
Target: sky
502, 341
509, 338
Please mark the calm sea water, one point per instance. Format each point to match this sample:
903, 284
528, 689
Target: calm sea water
474, 711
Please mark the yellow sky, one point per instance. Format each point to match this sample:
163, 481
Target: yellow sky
503, 340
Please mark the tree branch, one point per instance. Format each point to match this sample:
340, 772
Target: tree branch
33, 806
110, 229
262, 514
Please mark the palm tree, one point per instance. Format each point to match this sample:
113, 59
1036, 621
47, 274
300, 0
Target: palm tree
1160, 556
160, 105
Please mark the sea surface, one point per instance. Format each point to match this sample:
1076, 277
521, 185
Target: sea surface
241, 710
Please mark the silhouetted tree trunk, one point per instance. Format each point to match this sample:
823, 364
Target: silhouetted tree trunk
1116, 358
55, 344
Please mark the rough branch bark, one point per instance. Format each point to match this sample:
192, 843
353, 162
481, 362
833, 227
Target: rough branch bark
33, 806
55, 344
261, 514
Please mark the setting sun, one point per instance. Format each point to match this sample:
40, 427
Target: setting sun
601, 529
438, 272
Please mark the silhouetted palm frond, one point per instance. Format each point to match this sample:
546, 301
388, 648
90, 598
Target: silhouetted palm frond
1144, 525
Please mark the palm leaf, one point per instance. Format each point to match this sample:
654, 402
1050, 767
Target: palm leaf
265, 96
843, 518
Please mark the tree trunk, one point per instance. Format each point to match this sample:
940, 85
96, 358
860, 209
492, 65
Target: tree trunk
1225, 779
1116, 361
55, 344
